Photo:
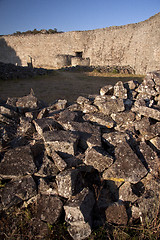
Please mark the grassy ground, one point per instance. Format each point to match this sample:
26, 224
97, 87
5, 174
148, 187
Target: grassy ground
63, 85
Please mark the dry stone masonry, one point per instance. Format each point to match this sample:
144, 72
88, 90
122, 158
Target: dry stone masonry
136, 45
95, 161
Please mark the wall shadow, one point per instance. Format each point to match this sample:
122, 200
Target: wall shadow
8, 54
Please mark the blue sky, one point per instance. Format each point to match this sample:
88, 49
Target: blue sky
71, 15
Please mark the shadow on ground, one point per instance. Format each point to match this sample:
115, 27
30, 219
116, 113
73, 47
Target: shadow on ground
61, 85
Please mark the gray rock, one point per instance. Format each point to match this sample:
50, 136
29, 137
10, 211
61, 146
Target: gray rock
100, 119
69, 182
126, 194
98, 158
17, 162
88, 108
79, 231
120, 91
63, 142
49, 208
8, 112
156, 142
67, 116
46, 187
148, 203
48, 168
116, 214
17, 191
78, 208
25, 127
58, 161
107, 90
147, 112
127, 166
147, 130
81, 100
109, 106
123, 119
113, 139
151, 158
27, 103
147, 87
89, 135
45, 124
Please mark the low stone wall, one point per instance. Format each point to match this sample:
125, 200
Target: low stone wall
99, 155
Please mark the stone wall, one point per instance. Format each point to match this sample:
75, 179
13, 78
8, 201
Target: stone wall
136, 45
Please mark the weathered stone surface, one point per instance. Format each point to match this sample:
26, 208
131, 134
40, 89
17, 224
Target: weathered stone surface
116, 214
25, 127
89, 135
148, 203
46, 187
88, 108
48, 168
107, 90
49, 208
17, 162
82, 100
27, 103
126, 194
45, 124
147, 87
109, 106
147, 130
67, 116
127, 166
17, 191
79, 231
100, 119
59, 162
8, 112
147, 112
113, 139
78, 208
151, 158
156, 142
98, 158
69, 182
120, 91
64, 142
123, 118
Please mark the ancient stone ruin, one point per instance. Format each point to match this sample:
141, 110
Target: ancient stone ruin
88, 163
136, 45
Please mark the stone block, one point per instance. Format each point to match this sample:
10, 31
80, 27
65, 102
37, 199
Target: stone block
127, 167
69, 182
107, 90
63, 142
116, 214
17, 191
98, 158
49, 208
100, 119
17, 162
120, 91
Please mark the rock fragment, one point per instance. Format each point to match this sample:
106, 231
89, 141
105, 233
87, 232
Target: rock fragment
98, 158
17, 162
127, 166
116, 214
69, 182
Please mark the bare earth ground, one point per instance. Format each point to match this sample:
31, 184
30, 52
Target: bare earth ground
62, 85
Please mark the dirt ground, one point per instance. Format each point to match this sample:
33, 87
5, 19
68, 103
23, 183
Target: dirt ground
62, 85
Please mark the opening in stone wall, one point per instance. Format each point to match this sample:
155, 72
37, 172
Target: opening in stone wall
79, 54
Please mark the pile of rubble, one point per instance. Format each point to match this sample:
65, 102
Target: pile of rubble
102, 69
97, 160
11, 71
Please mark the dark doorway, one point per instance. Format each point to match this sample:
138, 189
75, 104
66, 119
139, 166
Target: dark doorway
79, 54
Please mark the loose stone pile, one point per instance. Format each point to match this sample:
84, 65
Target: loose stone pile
10, 71
97, 159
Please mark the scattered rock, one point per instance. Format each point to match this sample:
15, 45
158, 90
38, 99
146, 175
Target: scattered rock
17, 162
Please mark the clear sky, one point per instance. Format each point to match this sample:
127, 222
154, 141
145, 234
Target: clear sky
70, 15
